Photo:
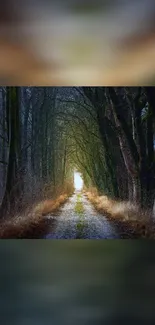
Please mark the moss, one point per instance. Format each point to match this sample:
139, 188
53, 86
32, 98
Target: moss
79, 209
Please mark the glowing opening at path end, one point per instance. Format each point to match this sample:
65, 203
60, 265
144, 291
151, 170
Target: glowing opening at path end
78, 181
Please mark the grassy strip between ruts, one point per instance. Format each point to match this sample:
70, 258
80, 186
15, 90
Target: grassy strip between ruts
33, 224
79, 209
131, 221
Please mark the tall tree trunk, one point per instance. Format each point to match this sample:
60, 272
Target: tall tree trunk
12, 188
4, 148
130, 163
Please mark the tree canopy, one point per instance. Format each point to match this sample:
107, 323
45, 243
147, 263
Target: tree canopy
105, 133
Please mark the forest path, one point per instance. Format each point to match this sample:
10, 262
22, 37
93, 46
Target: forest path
77, 219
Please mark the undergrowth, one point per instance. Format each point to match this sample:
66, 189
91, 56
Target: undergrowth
34, 223
132, 221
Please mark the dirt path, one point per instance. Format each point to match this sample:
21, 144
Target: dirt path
77, 219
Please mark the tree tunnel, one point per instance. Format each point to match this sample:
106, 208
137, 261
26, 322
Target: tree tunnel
50, 134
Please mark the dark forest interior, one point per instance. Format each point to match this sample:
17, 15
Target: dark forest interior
105, 133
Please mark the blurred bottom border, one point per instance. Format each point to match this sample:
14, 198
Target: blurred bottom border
77, 281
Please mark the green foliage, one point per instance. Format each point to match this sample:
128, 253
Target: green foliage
79, 209
106, 133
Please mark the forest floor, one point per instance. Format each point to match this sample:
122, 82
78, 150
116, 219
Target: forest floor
77, 219
85, 216
131, 220
33, 222
80, 216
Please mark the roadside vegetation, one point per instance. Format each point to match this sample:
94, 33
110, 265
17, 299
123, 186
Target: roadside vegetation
106, 134
131, 220
33, 223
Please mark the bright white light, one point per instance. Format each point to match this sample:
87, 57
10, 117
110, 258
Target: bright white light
78, 181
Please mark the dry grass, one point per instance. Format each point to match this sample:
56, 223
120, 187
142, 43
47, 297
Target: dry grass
49, 206
126, 215
32, 224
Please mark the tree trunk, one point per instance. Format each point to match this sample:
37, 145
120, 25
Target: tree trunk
12, 188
